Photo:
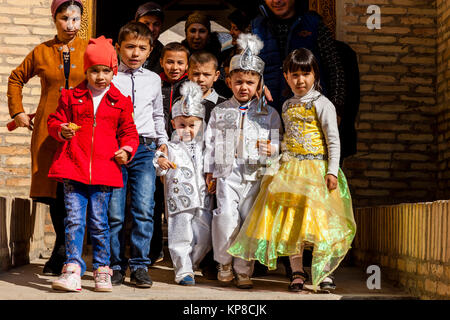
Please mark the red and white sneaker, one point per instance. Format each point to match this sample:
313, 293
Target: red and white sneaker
70, 279
102, 278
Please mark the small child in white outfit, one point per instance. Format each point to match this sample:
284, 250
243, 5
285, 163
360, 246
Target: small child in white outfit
188, 203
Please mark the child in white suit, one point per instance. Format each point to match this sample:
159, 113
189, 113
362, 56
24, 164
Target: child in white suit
188, 203
242, 135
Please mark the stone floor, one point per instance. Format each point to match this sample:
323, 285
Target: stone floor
27, 283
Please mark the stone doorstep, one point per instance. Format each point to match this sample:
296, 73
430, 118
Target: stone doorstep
26, 282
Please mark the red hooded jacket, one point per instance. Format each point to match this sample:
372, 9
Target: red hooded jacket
89, 156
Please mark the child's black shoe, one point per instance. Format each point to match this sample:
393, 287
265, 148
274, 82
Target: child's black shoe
298, 286
117, 278
328, 283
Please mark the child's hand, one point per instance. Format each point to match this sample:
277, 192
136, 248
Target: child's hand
331, 182
121, 156
265, 148
163, 149
210, 183
165, 164
266, 93
67, 132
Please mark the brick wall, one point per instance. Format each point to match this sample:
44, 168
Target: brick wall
397, 158
410, 243
23, 25
398, 153
443, 89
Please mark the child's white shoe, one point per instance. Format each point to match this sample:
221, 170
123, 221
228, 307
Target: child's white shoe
102, 278
225, 272
70, 279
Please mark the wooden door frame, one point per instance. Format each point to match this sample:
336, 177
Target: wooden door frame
327, 9
88, 20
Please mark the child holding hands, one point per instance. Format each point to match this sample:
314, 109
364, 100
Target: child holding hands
95, 126
187, 200
307, 200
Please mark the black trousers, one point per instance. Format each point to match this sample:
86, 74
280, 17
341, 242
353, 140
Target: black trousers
157, 242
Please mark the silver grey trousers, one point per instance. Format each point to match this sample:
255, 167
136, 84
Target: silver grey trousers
235, 197
189, 235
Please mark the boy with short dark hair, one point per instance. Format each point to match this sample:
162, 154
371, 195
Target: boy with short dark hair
203, 70
174, 61
144, 88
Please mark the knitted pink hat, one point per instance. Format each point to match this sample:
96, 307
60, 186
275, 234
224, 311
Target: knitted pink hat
57, 3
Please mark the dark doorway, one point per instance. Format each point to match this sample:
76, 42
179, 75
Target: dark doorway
110, 18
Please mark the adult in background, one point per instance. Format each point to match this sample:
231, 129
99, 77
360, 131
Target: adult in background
199, 36
152, 15
239, 23
59, 64
285, 25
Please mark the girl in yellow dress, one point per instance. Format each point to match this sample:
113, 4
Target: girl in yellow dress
307, 201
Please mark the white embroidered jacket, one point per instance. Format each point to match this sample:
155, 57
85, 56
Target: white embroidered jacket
185, 186
223, 134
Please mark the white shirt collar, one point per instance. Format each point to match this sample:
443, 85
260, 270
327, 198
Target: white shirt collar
124, 68
213, 96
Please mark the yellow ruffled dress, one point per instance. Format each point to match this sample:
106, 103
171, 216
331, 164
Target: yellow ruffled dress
294, 206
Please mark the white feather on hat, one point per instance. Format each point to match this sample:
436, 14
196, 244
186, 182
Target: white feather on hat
251, 42
248, 59
191, 102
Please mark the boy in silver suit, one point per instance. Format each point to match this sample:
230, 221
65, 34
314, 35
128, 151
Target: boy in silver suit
188, 203
242, 134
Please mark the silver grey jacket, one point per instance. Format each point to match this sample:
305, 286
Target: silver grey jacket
224, 132
185, 186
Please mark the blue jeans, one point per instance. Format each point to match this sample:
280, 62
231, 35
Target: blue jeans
141, 175
80, 198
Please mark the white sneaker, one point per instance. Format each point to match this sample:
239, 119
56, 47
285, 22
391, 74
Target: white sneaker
102, 278
225, 272
70, 279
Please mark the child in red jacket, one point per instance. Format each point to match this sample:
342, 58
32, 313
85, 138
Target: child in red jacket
95, 126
